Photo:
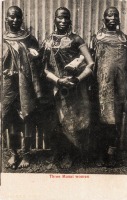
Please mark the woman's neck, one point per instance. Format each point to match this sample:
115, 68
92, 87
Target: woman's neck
19, 34
13, 31
61, 32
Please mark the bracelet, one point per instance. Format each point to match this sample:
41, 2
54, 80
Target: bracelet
58, 82
75, 80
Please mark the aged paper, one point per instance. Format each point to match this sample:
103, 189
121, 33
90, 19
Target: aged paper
86, 183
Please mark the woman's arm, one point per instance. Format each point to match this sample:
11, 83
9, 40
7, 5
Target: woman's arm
90, 64
50, 76
59, 81
85, 52
55, 78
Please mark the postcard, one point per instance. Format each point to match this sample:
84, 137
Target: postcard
63, 99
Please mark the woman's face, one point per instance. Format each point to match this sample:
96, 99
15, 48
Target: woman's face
111, 18
14, 19
62, 20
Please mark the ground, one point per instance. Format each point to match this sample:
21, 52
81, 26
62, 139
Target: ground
41, 162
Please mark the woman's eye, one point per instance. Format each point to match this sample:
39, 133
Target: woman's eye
60, 17
12, 17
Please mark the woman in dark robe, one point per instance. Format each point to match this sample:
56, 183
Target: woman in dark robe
68, 64
110, 49
20, 84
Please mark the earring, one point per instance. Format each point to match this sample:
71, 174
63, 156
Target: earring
118, 26
70, 29
55, 28
6, 25
104, 26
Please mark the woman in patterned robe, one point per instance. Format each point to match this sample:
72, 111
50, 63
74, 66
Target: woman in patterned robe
110, 47
70, 86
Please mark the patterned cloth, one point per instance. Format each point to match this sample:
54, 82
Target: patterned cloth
20, 79
72, 104
111, 66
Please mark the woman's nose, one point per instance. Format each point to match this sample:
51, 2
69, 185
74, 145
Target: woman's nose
15, 19
63, 20
113, 17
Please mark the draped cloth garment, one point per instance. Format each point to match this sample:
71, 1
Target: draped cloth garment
111, 60
74, 108
20, 80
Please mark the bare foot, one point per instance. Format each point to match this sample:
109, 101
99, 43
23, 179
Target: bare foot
111, 162
66, 163
12, 162
25, 162
51, 166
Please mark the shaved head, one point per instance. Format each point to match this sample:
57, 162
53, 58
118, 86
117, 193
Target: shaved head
111, 18
110, 9
14, 18
14, 9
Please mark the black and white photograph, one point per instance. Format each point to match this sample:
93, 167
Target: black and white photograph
64, 86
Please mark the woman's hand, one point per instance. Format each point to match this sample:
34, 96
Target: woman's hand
66, 82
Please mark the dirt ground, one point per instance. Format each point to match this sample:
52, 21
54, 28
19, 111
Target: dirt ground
41, 162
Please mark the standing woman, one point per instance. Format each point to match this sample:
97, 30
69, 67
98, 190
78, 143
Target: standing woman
21, 87
69, 79
110, 47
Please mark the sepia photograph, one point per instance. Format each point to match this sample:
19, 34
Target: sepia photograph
63, 99
63, 80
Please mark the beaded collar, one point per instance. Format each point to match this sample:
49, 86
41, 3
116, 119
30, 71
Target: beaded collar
22, 34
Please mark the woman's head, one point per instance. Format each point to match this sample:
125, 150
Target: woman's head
14, 18
62, 19
111, 18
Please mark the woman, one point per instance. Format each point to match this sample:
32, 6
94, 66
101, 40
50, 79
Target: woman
21, 87
69, 79
110, 49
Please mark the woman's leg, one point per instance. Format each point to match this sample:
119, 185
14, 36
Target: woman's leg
13, 136
28, 129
